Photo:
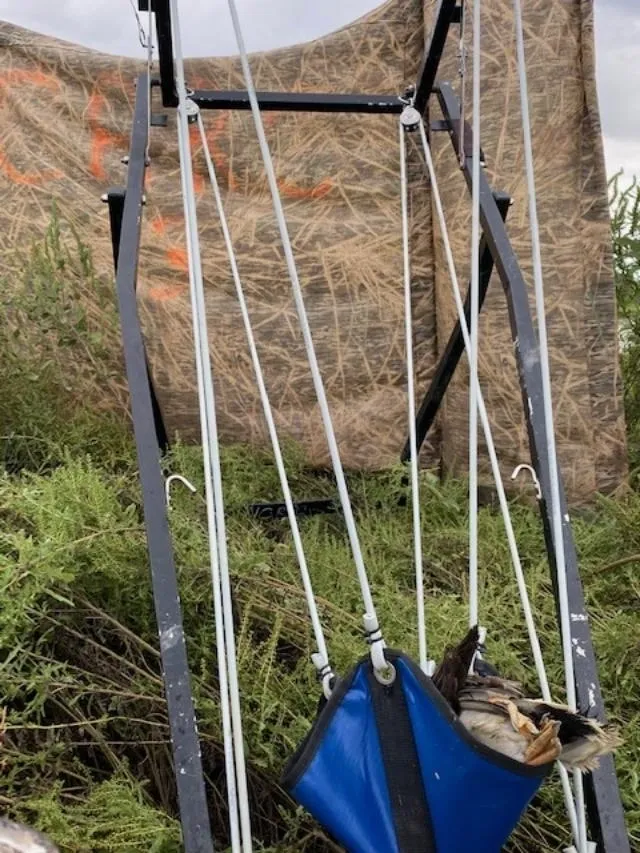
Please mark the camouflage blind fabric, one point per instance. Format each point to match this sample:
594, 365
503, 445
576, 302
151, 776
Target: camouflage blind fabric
65, 118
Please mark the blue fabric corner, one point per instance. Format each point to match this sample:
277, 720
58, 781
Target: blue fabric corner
345, 787
475, 803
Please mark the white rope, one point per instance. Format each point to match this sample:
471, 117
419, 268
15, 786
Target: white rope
474, 318
534, 640
556, 510
225, 701
142, 36
411, 396
370, 618
321, 658
215, 509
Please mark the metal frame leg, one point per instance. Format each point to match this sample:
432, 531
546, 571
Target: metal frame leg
185, 742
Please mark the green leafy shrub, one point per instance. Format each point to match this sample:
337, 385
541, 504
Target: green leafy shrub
86, 754
625, 219
61, 356
80, 674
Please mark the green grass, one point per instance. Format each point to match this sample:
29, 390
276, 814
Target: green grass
86, 754
86, 726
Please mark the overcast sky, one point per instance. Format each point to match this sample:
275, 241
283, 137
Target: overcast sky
109, 25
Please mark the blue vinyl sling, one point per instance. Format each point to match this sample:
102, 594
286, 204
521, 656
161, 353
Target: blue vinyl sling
392, 770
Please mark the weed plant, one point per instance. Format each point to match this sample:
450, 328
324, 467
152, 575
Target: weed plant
85, 754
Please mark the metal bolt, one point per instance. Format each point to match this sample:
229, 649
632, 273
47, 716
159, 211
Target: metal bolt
125, 160
104, 198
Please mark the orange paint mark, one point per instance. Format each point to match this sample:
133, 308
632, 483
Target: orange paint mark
293, 191
22, 76
160, 224
167, 292
26, 179
198, 183
220, 160
101, 137
177, 258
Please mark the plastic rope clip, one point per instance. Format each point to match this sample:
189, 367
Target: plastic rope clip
325, 674
384, 672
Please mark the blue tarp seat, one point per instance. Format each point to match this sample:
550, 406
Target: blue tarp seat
392, 770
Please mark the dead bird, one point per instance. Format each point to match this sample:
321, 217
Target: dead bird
496, 712
450, 676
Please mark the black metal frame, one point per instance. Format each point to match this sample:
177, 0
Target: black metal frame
126, 216
231, 99
273, 511
115, 198
606, 815
455, 347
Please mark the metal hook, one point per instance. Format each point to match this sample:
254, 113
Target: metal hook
167, 486
534, 477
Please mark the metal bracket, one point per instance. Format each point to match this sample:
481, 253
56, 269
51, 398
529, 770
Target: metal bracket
314, 506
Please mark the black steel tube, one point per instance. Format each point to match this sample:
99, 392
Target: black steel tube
314, 506
444, 17
115, 200
162, 11
603, 796
192, 801
232, 99
455, 347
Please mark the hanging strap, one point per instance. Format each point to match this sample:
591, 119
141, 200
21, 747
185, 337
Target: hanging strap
474, 317
409, 120
409, 807
370, 619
